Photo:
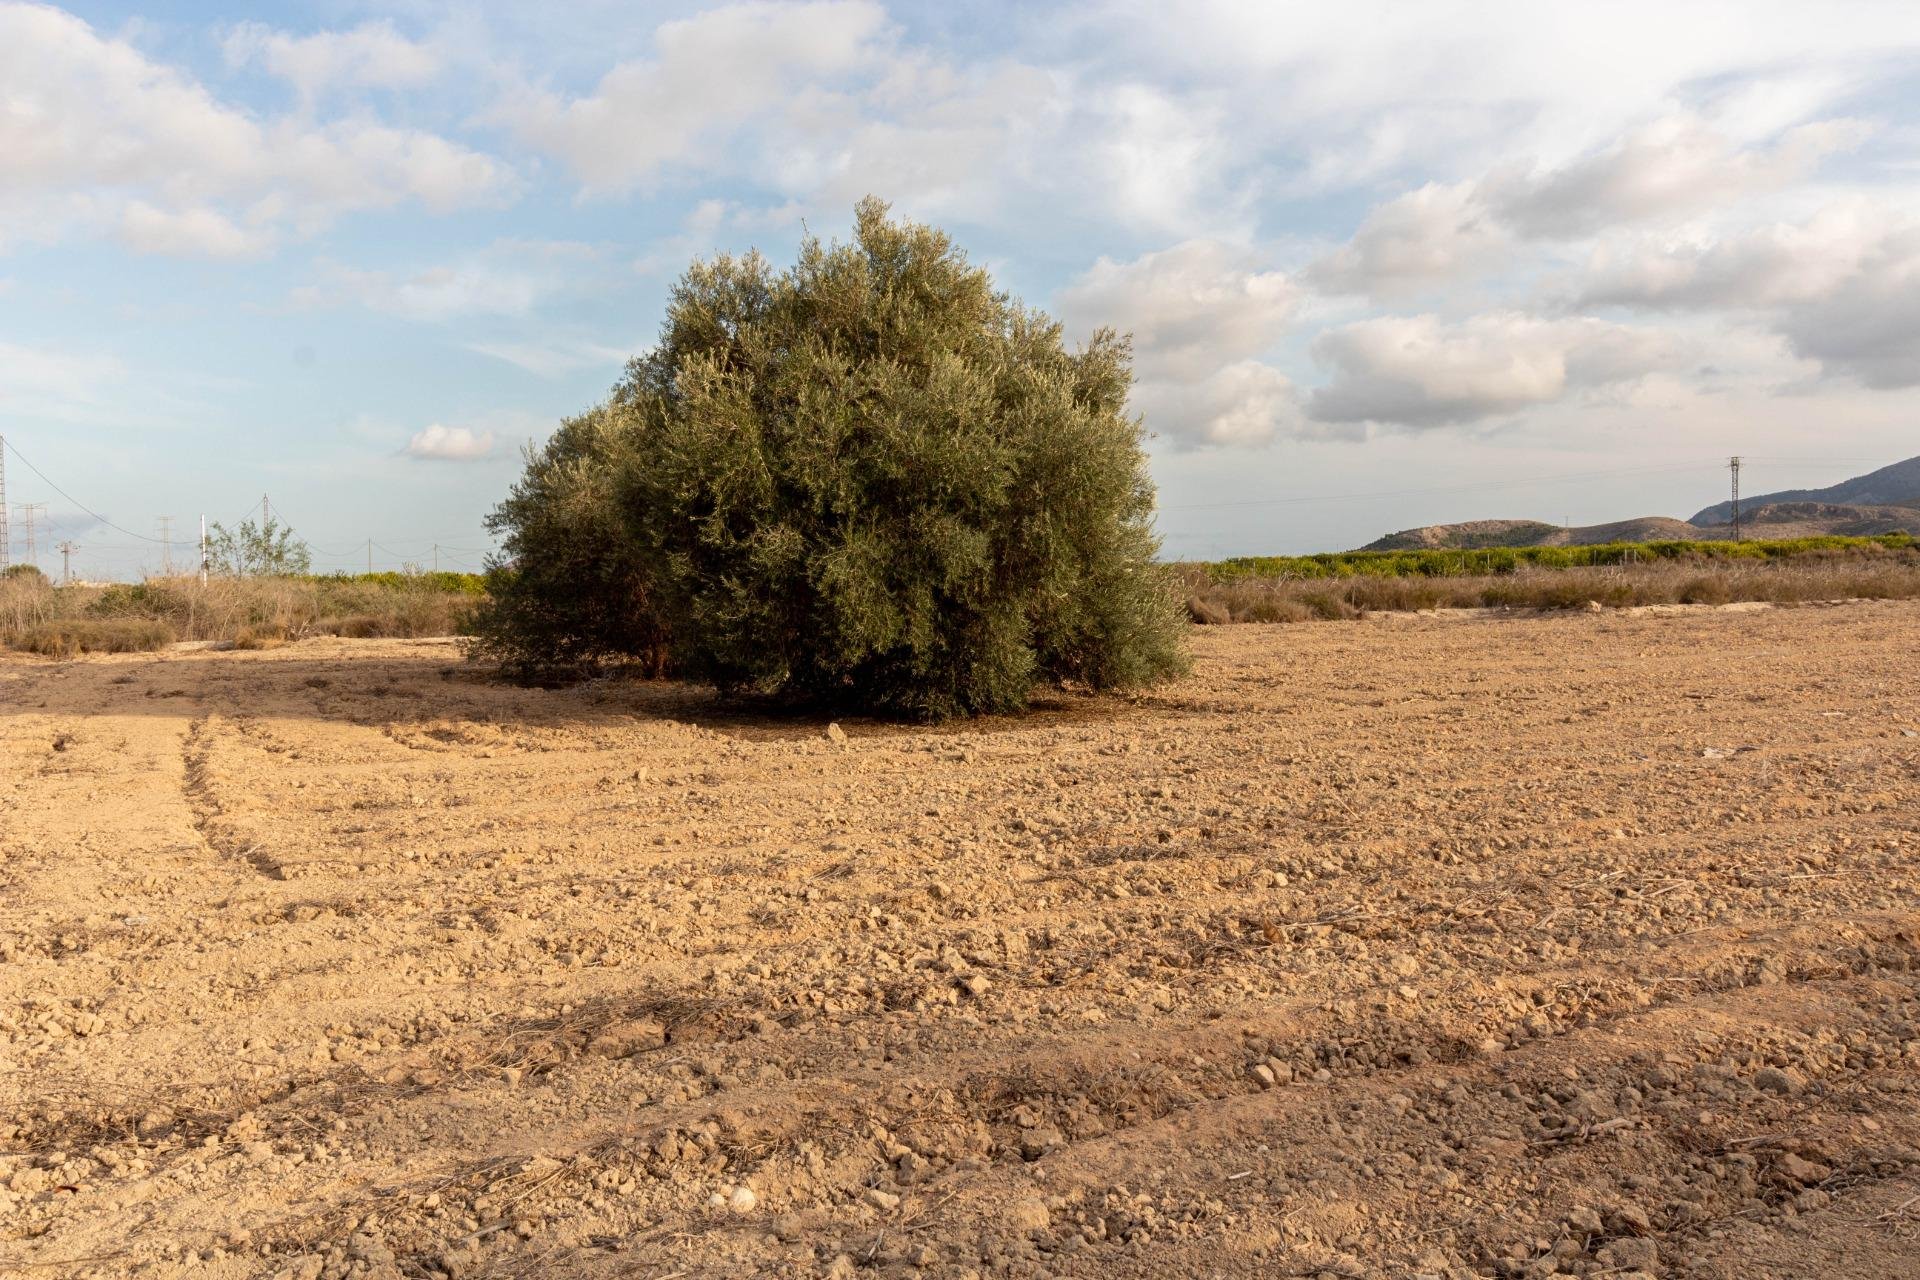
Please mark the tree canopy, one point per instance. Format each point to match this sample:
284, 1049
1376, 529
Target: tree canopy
870, 479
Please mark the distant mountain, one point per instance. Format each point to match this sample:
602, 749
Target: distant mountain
1894, 486
1477, 535
1879, 502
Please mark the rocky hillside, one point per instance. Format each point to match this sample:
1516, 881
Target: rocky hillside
1894, 486
1879, 502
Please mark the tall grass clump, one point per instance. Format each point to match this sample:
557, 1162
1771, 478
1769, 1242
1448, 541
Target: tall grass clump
229, 609
869, 480
1878, 573
67, 637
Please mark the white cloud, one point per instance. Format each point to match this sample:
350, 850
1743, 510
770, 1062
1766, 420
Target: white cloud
1247, 403
1361, 93
1433, 233
711, 73
822, 103
506, 278
1198, 312
1672, 166
1418, 371
439, 443
372, 55
189, 233
1869, 327
1667, 169
1843, 287
98, 137
1757, 267
1191, 308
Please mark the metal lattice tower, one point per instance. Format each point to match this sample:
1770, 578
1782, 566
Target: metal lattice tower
6, 524
28, 511
1733, 469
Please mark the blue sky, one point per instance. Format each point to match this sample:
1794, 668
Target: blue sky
1386, 265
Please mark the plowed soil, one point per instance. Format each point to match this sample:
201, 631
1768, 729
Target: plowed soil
1582, 944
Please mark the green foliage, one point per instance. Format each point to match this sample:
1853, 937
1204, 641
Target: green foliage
23, 571
869, 480
576, 586
459, 584
256, 550
1456, 562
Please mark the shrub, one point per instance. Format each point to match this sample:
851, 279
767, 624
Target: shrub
868, 480
68, 637
1207, 612
1705, 590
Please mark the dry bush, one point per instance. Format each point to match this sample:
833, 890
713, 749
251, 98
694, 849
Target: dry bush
68, 637
248, 612
1796, 581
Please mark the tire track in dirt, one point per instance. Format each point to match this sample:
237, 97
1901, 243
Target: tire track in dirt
209, 814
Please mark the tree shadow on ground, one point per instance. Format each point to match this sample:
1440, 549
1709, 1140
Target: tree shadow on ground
386, 683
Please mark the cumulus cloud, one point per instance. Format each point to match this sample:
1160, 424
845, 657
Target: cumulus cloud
1420, 372
1436, 232
98, 136
1191, 308
1843, 287
439, 443
1246, 403
1365, 93
1868, 328
1667, 169
824, 102
709, 73
1198, 312
1672, 166
372, 55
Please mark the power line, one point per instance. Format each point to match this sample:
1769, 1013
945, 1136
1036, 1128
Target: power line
70, 498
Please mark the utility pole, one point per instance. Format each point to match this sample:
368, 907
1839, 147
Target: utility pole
203, 550
369, 555
1733, 469
166, 546
66, 563
436, 557
266, 513
6, 525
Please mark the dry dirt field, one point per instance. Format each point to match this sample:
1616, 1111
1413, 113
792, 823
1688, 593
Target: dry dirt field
1581, 944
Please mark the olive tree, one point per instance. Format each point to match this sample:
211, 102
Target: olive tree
868, 480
